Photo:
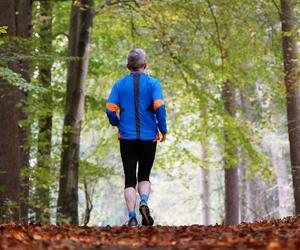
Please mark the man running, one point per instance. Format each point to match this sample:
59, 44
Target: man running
139, 99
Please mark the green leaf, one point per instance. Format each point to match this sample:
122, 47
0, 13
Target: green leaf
3, 29
16, 79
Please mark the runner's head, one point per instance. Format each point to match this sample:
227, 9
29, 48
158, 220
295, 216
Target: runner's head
136, 59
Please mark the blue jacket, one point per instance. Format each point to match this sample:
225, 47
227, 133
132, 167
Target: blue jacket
139, 99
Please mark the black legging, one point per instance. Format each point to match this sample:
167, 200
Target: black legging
133, 152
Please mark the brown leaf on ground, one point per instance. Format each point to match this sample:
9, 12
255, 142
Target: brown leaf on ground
264, 235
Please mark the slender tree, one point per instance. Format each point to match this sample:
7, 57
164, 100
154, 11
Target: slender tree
205, 196
245, 107
243, 192
230, 150
205, 186
291, 80
42, 195
14, 145
248, 207
230, 155
79, 40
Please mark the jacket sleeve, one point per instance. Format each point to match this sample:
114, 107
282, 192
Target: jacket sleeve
159, 107
112, 106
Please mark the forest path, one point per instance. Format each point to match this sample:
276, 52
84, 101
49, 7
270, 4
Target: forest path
269, 235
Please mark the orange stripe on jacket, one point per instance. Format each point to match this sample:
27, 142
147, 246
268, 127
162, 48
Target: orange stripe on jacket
157, 103
157, 138
112, 107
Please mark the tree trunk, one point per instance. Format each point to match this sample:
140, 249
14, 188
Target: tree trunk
14, 144
252, 199
205, 213
246, 183
88, 203
245, 108
230, 155
291, 80
244, 192
79, 38
24, 30
45, 120
206, 197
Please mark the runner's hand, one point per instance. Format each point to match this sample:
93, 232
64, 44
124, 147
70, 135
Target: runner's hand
163, 138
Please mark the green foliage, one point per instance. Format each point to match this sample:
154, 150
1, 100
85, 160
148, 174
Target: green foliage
16, 79
3, 29
8, 211
90, 171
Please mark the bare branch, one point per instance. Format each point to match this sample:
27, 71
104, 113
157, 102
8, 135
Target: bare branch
109, 3
277, 7
222, 52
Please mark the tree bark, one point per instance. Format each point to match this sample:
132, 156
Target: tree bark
79, 39
206, 197
10, 154
291, 80
244, 192
88, 203
24, 30
14, 143
252, 199
248, 205
230, 152
42, 195
205, 213
245, 108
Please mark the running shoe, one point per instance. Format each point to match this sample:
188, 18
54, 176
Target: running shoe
147, 220
132, 222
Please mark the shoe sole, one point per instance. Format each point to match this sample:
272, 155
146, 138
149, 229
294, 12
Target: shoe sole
133, 225
147, 220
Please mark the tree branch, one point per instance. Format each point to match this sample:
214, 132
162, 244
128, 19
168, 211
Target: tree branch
277, 7
109, 3
222, 52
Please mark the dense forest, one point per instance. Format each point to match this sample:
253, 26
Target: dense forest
230, 76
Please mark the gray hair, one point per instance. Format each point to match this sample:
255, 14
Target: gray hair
136, 58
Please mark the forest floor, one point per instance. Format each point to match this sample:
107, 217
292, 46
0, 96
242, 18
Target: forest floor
268, 235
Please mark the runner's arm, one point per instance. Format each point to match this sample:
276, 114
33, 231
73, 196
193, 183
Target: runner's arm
112, 106
159, 107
